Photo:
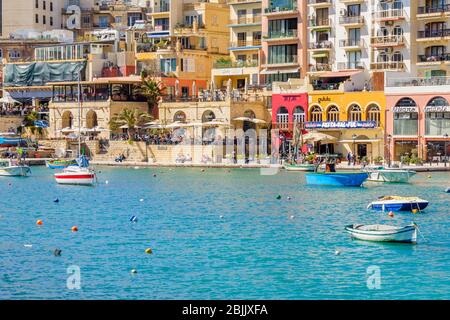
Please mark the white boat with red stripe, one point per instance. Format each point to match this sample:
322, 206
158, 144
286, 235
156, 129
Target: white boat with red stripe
77, 176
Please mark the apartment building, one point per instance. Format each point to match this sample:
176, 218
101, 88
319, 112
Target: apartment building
37, 15
284, 40
184, 38
243, 65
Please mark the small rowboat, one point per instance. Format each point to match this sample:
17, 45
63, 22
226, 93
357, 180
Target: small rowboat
390, 175
60, 163
300, 167
447, 190
383, 233
395, 203
347, 179
8, 168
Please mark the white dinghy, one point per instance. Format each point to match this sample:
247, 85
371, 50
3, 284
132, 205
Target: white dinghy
383, 232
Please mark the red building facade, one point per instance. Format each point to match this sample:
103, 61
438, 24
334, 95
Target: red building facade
287, 110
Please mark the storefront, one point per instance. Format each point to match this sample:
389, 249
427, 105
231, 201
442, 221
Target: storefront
354, 119
418, 125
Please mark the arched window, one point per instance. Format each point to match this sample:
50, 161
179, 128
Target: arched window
333, 114
382, 57
373, 114
67, 120
316, 114
208, 115
299, 114
397, 57
397, 31
283, 118
382, 32
354, 113
406, 118
437, 117
91, 119
179, 116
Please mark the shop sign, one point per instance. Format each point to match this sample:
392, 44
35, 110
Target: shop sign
341, 125
437, 109
405, 109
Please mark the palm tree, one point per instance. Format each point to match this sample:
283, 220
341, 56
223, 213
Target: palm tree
152, 89
30, 120
129, 119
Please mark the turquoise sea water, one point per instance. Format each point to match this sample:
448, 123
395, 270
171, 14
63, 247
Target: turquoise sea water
255, 251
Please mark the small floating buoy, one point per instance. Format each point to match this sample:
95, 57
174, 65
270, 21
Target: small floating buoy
74, 229
337, 252
133, 219
136, 168
141, 200
57, 252
292, 217
56, 200
148, 251
28, 245
414, 211
154, 175
278, 197
221, 216
429, 176
134, 271
203, 170
106, 182
288, 198
39, 222
391, 214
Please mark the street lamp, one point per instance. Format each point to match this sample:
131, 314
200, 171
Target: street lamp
389, 137
445, 149
354, 146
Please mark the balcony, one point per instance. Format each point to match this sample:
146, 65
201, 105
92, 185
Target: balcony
351, 1
320, 46
389, 15
387, 41
319, 3
350, 65
243, 21
319, 23
288, 9
281, 35
351, 21
351, 44
433, 35
235, 64
418, 82
433, 12
290, 60
391, 65
245, 43
242, 1
320, 67
433, 59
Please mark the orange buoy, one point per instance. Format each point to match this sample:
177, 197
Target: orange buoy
74, 229
391, 214
148, 251
414, 211
39, 222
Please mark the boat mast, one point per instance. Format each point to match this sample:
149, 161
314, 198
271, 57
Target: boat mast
79, 113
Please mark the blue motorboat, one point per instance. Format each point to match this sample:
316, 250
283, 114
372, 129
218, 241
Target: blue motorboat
447, 190
332, 178
12, 141
396, 203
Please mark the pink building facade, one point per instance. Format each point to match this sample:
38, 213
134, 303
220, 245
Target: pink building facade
287, 110
418, 124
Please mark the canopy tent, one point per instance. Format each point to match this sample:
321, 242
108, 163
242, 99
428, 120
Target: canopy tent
318, 137
214, 123
7, 99
254, 120
125, 126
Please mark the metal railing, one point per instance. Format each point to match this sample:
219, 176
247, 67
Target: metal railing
351, 19
318, 67
390, 13
245, 43
388, 40
350, 65
433, 9
433, 58
312, 22
390, 65
281, 34
319, 1
417, 82
246, 20
320, 45
351, 43
433, 33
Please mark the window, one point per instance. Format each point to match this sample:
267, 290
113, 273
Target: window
333, 114
44, 5
103, 21
36, 4
299, 115
283, 54
36, 18
44, 21
51, 21
168, 65
406, 118
354, 60
354, 10
437, 117
316, 114
373, 114
51, 6
354, 113
283, 118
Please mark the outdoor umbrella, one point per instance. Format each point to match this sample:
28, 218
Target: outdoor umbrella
318, 136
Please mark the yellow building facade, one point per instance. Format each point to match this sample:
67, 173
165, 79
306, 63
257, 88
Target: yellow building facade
355, 119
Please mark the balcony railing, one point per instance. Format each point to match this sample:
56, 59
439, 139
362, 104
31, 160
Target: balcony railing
389, 14
433, 33
433, 9
351, 20
318, 67
434, 58
246, 20
319, 1
235, 64
281, 34
320, 45
288, 60
391, 65
241, 1
318, 22
351, 43
245, 43
388, 40
326, 86
273, 10
418, 82
350, 65
163, 8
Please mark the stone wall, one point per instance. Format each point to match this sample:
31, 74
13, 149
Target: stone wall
7, 122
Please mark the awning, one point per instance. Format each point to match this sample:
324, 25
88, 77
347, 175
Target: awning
405, 109
249, 119
320, 55
339, 74
359, 140
276, 71
437, 109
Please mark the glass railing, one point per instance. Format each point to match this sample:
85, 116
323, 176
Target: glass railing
352, 19
433, 9
390, 65
281, 34
319, 1
320, 45
319, 22
417, 81
280, 9
235, 64
433, 33
350, 65
351, 43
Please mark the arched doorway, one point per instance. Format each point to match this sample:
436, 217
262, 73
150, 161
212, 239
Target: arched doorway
208, 133
179, 116
249, 124
91, 119
67, 120
283, 118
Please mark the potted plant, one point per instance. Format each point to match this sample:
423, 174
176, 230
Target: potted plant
240, 159
264, 159
378, 160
